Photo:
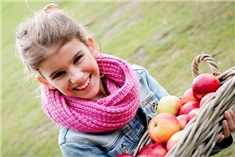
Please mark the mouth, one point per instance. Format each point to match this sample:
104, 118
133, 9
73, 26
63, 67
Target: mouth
84, 84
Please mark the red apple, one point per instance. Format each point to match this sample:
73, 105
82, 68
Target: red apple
173, 140
205, 98
204, 84
125, 155
162, 126
169, 104
183, 120
193, 113
186, 108
152, 150
188, 96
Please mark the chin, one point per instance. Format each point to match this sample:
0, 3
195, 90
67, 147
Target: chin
91, 95
97, 96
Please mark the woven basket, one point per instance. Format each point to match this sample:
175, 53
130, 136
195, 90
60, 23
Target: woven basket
202, 132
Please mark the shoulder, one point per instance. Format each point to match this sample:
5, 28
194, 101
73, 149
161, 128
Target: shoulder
136, 67
139, 70
67, 135
93, 139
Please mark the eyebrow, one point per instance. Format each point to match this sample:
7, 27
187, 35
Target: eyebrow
54, 72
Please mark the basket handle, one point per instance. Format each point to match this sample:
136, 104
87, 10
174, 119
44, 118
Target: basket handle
229, 73
204, 57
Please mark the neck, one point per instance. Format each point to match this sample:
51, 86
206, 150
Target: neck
103, 90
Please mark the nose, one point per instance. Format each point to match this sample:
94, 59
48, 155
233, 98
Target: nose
76, 75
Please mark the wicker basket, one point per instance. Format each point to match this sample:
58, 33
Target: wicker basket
202, 132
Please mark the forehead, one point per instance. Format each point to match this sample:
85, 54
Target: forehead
67, 44
62, 53
54, 48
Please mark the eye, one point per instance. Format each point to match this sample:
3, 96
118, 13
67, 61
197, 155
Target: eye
59, 74
77, 59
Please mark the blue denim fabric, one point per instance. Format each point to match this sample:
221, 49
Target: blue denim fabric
123, 140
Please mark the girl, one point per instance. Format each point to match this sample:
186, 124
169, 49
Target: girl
102, 103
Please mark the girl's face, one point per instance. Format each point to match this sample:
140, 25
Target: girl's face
73, 70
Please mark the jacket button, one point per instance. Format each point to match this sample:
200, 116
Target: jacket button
124, 148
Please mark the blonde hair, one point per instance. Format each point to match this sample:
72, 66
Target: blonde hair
48, 27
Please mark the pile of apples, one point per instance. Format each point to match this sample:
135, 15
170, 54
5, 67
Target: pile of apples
174, 113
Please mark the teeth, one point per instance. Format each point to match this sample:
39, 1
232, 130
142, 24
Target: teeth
84, 85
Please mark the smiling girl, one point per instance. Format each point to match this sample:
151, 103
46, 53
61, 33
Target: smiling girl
102, 103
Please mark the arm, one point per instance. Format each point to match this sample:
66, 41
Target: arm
79, 149
222, 145
150, 90
147, 81
155, 87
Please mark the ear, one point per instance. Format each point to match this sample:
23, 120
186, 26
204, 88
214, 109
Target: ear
44, 82
91, 45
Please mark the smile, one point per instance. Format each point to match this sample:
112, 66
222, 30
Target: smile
85, 84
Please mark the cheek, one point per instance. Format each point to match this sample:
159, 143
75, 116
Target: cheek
61, 85
93, 66
96, 66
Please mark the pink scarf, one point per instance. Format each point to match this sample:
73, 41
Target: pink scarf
106, 114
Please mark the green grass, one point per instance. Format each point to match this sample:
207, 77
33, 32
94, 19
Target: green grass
164, 37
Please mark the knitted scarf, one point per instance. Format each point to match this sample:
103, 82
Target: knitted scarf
105, 114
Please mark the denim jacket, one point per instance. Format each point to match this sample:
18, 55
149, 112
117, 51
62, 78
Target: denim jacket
123, 140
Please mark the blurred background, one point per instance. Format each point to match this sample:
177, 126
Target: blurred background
163, 36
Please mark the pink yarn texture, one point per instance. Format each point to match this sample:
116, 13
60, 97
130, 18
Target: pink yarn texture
106, 114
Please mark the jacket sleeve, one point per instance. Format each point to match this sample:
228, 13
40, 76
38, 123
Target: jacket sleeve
149, 82
79, 149
159, 91
222, 145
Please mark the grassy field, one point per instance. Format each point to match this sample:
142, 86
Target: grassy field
162, 36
